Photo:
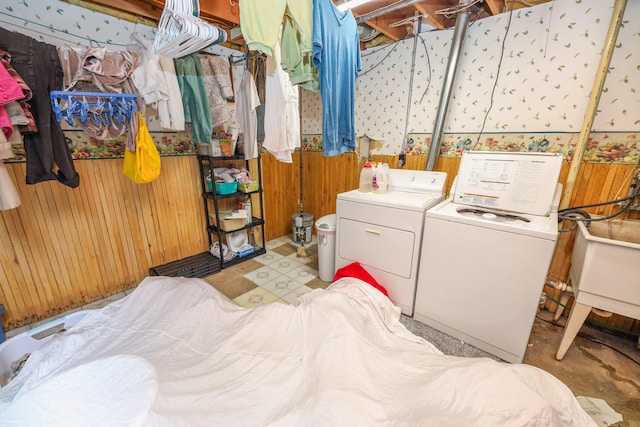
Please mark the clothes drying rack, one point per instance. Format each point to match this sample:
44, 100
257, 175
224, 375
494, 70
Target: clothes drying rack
98, 108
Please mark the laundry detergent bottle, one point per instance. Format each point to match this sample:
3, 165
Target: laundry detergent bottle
366, 178
380, 181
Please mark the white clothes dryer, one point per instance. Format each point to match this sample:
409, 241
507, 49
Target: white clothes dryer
383, 232
483, 268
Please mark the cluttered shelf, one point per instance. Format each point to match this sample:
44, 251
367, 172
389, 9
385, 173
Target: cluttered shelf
233, 206
211, 195
255, 222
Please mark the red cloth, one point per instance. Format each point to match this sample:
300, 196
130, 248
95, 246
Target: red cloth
356, 270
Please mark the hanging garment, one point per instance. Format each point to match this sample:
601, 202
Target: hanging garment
5, 59
5, 123
336, 53
9, 198
194, 97
217, 82
5, 147
16, 114
156, 81
30, 125
16, 140
98, 69
9, 91
297, 45
48, 154
9, 88
282, 119
261, 22
247, 101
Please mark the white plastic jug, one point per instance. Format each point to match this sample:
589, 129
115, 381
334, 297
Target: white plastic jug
366, 178
380, 181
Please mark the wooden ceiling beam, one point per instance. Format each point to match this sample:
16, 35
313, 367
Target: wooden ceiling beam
495, 6
133, 8
428, 8
382, 23
221, 13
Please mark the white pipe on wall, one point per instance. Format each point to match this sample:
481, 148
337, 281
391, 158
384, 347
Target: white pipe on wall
462, 22
594, 100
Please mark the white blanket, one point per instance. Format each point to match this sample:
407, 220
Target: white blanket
176, 352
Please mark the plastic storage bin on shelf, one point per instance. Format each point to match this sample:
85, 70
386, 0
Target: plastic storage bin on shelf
224, 188
228, 221
326, 228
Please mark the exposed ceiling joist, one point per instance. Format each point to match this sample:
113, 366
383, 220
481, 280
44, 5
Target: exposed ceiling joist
495, 6
381, 15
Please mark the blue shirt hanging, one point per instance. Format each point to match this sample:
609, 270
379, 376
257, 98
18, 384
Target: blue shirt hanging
336, 54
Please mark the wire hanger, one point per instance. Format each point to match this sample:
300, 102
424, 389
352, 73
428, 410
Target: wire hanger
181, 32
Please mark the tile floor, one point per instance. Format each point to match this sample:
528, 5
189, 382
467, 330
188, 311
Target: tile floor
598, 364
280, 275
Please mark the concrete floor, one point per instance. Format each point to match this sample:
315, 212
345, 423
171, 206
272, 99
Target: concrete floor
607, 369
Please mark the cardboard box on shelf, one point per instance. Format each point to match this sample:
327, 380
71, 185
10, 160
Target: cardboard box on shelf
248, 187
229, 220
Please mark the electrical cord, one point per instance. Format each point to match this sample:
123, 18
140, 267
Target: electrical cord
495, 83
426, 51
594, 340
576, 213
394, 45
461, 7
594, 205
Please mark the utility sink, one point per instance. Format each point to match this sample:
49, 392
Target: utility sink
606, 264
605, 273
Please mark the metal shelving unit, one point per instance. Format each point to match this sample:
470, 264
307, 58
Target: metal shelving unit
205, 264
209, 195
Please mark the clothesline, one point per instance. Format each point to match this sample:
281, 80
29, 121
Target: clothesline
50, 29
65, 36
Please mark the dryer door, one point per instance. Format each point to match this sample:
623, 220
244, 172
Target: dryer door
374, 245
386, 241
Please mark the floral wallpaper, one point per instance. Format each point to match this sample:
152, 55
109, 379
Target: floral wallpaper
502, 98
539, 83
619, 107
58, 23
602, 147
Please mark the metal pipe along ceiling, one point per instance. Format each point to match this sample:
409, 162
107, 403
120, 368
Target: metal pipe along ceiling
462, 22
385, 10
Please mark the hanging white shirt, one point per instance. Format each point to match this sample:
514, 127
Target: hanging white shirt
155, 78
247, 102
281, 117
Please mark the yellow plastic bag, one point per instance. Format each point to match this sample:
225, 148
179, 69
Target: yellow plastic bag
143, 165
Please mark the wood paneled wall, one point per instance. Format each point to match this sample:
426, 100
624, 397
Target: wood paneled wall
63, 248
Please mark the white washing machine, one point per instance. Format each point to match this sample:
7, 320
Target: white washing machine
488, 250
383, 232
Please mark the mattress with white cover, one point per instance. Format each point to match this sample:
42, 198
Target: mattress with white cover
176, 352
